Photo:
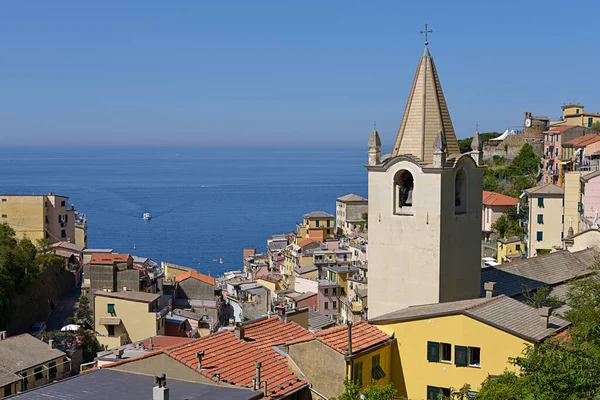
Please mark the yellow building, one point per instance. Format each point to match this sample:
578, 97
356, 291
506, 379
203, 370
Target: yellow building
573, 114
441, 347
26, 362
125, 317
545, 219
510, 249
368, 358
172, 271
573, 207
39, 216
317, 225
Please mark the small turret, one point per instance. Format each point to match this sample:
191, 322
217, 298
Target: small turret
439, 151
477, 149
374, 146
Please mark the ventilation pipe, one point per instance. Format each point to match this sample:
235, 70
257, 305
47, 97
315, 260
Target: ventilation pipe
349, 338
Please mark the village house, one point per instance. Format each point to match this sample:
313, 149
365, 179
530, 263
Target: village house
510, 249
544, 208
140, 348
574, 115
127, 316
39, 217
328, 299
247, 299
27, 362
317, 225
349, 211
493, 206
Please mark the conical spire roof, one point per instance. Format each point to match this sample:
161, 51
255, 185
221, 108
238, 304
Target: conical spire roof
425, 116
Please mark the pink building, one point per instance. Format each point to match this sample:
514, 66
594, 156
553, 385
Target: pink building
553, 151
590, 197
328, 294
493, 206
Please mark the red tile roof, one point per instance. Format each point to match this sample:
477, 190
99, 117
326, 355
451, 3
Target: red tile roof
558, 129
161, 342
108, 259
583, 141
306, 242
196, 275
271, 331
497, 199
364, 336
235, 360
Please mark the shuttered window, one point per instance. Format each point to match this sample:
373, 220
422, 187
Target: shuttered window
540, 218
432, 392
377, 372
460, 356
433, 351
540, 202
110, 308
358, 370
540, 236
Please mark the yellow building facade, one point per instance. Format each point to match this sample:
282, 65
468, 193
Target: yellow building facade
545, 219
510, 248
574, 114
125, 317
441, 347
39, 216
318, 225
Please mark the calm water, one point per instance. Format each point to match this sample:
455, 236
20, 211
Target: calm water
206, 203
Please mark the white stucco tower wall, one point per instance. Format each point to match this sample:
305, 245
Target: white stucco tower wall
424, 228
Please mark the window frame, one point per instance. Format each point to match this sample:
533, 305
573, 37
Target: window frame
110, 308
461, 356
540, 202
377, 372
540, 219
539, 236
38, 373
448, 348
433, 351
110, 329
357, 374
469, 355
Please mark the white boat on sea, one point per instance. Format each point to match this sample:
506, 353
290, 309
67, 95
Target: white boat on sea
147, 216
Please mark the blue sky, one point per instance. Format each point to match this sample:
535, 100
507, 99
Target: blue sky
258, 73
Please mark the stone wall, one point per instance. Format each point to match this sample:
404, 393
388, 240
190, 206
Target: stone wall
509, 148
33, 305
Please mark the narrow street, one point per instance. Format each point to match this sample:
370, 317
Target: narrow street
65, 308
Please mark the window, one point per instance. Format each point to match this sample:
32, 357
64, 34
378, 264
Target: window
327, 305
577, 111
110, 308
326, 292
474, 356
540, 218
38, 373
432, 392
335, 291
358, 370
556, 151
518, 247
460, 356
541, 202
460, 192
317, 223
7, 389
328, 223
351, 285
4, 200
403, 192
335, 305
111, 330
540, 236
445, 392
4, 216
377, 372
66, 217
63, 233
52, 370
63, 203
445, 352
47, 220
590, 122
433, 351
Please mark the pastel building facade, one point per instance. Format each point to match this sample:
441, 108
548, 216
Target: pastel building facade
493, 206
544, 231
349, 210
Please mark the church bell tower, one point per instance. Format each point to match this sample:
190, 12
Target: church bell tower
424, 206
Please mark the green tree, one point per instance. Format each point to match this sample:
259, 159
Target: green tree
504, 387
371, 392
596, 126
540, 297
526, 162
508, 224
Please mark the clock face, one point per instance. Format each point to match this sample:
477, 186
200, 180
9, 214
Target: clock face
528, 123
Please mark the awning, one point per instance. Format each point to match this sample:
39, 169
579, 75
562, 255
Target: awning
110, 321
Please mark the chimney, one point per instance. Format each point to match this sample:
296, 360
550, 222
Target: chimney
2, 335
51, 343
160, 391
199, 356
544, 316
265, 388
218, 376
280, 312
489, 288
257, 364
349, 338
118, 353
151, 346
239, 332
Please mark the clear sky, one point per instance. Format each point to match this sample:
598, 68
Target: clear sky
298, 73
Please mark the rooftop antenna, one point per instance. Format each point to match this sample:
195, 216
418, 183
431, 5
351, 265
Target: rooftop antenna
426, 32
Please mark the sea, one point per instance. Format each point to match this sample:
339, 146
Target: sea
207, 204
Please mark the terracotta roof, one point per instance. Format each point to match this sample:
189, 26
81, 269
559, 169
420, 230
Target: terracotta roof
161, 342
363, 337
196, 275
272, 331
108, 259
559, 129
497, 199
306, 242
582, 141
235, 360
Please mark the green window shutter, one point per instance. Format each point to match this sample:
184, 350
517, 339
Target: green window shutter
110, 308
580, 207
432, 393
328, 223
317, 223
460, 356
540, 236
540, 218
540, 202
358, 373
590, 122
326, 292
433, 351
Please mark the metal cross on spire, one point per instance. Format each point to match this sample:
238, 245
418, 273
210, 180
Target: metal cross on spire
426, 32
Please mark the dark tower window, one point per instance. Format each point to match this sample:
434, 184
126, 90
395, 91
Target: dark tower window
460, 192
403, 192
